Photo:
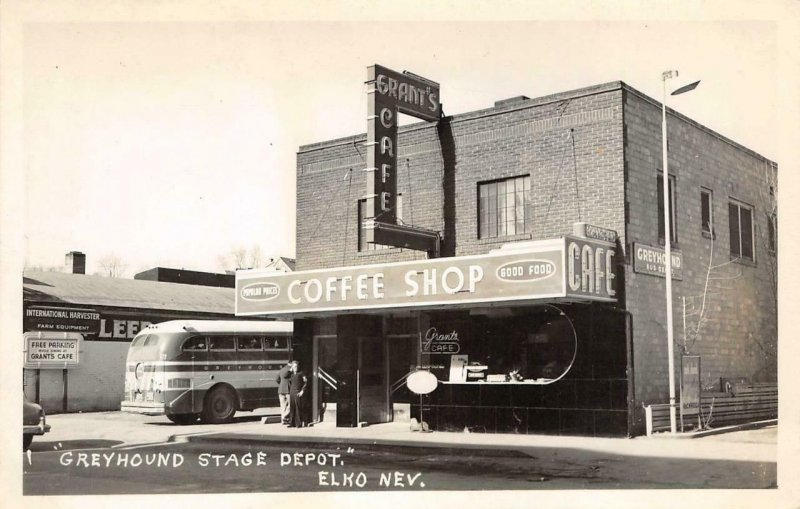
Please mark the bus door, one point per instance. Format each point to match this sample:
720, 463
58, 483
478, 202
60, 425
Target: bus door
195, 351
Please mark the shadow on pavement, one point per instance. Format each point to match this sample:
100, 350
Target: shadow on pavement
70, 445
271, 419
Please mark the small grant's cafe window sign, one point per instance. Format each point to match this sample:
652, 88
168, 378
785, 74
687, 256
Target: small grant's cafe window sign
569, 268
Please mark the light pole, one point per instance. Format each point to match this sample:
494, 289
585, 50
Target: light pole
668, 240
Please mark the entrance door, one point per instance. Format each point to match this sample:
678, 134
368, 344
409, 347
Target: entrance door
324, 383
373, 380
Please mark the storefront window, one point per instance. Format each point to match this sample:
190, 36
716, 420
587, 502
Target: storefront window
533, 345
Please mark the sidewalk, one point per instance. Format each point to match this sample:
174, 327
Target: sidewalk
749, 445
117, 429
739, 459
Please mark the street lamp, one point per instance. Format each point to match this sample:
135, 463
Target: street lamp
668, 240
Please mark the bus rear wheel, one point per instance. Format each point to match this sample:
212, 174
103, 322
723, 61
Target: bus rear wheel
183, 418
219, 406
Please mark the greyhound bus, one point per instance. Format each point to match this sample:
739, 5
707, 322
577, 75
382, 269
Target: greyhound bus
205, 369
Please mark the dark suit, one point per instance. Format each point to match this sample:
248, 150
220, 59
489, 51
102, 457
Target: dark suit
297, 385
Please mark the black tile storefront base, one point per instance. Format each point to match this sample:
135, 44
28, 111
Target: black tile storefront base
522, 420
512, 420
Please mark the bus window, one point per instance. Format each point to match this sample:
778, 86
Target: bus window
249, 343
217, 343
152, 340
194, 344
138, 340
277, 343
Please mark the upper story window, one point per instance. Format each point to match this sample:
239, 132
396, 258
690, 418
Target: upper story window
673, 226
772, 231
740, 222
363, 245
504, 207
706, 210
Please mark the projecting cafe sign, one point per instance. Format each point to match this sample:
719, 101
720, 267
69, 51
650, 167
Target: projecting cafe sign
568, 268
390, 93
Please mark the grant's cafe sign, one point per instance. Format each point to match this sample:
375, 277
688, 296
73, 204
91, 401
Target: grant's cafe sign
560, 269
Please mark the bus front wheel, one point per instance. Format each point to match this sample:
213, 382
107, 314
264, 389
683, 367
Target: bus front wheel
220, 405
183, 418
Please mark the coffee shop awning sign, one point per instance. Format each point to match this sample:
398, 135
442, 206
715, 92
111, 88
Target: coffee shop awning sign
568, 268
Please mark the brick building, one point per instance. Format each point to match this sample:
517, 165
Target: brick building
513, 178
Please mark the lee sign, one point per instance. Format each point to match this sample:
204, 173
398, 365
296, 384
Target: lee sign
567, 268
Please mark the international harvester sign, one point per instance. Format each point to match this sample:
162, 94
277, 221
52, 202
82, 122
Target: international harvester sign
567, 268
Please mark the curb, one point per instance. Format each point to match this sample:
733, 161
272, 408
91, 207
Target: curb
719, 431
408, 447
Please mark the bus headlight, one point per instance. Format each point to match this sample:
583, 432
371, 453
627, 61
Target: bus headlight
139, 371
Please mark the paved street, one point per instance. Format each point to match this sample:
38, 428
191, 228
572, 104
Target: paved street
115, 453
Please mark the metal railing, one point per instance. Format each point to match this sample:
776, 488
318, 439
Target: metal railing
327, 378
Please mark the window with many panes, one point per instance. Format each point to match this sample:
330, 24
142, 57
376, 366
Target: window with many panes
504, 207
363, 245
706, 210
673, 224
740, 222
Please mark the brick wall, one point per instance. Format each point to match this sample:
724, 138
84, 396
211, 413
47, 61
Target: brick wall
739, 337
615, 133
570, 144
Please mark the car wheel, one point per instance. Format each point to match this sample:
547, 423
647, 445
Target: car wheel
219, 405
183, 418
26, 441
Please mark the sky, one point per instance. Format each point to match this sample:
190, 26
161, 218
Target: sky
173, 143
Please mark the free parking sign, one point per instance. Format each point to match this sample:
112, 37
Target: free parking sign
52, 350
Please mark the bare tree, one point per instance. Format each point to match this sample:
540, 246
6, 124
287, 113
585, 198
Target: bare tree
42, 268
255, 257
240, 258
696, 307
769, 203
769, 238
112, 265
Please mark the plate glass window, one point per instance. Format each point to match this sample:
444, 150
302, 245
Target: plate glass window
673, 226
706, 210
504, 207
740, 221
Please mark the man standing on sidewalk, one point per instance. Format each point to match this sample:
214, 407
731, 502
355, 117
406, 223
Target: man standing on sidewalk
297, 387
283, 377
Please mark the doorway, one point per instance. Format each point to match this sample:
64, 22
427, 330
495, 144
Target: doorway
324, 384
373, 380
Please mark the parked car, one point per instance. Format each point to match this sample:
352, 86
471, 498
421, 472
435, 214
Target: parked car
33, 422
